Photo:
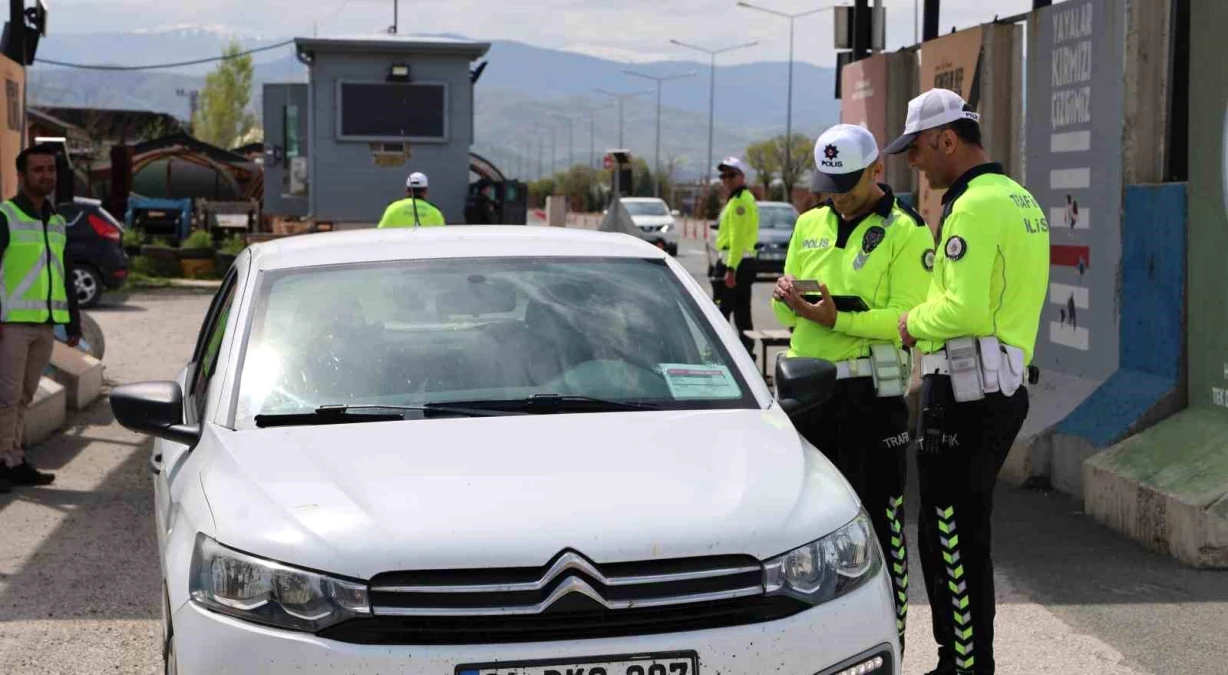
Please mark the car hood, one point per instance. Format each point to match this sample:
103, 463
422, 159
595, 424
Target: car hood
514, 491
652, 221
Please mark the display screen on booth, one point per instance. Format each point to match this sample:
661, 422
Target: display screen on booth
392, 110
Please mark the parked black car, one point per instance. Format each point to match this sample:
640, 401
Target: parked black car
776, 221
95, 248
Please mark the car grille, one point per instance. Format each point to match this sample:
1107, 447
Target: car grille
571, 598
651, 228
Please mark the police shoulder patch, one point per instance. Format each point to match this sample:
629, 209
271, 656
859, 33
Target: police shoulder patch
956, 248
927, 260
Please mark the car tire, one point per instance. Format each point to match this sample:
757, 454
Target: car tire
88, 284
91, 333
170, 663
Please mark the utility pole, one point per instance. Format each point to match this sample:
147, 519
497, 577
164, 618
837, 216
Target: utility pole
396, 19
929, 25
862, 29
193, 96
571, 148
789, 105
656, 183
712, 53
554, 155
621, 98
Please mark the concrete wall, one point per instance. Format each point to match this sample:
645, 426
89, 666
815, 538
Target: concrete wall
277, 201
1208, 331
902, 76
1074, 170
347, 183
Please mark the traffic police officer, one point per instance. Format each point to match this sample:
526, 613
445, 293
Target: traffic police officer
976, 330
865, 248
414, 210
733, 280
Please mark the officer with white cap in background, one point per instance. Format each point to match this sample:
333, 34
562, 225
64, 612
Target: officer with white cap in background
414, 210
856, 263
733, 279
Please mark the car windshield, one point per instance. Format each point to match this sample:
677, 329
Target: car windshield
777, 217
466, 330
646, 208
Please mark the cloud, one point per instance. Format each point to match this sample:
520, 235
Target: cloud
631, 30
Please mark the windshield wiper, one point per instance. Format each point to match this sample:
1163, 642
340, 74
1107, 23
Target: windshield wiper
340, 414
555, 403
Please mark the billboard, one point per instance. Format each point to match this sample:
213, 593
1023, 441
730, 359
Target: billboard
12, 122
1208, 207
863, 100
1074, 170
950, 62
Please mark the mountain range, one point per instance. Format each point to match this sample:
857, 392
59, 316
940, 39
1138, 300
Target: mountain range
516, 99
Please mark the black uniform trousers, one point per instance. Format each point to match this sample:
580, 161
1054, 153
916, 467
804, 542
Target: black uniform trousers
962, 448
866, 438
736, 300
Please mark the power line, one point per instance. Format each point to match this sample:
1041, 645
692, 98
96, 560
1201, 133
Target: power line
85, 66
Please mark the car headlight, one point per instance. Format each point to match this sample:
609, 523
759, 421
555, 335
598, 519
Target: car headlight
262, 591
666, 227
827, 568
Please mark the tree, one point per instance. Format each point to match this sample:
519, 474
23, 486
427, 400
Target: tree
222, 116
763, 158
641, 178
800, 158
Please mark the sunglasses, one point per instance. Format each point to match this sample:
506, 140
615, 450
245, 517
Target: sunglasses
728, 176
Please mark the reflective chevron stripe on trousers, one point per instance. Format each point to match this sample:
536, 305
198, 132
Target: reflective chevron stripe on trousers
963, 446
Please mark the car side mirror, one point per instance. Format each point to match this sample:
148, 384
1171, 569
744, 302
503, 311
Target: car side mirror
716, 225
675, 213
803, 384
154, 408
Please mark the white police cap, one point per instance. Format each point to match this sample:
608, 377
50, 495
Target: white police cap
841, 155
933, 109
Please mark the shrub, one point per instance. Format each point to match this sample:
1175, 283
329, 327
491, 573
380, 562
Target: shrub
198, 239
233, 245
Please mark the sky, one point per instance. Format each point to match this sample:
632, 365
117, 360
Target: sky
625, 30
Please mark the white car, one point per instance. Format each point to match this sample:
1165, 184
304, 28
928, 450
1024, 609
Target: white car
496, 450
658, 224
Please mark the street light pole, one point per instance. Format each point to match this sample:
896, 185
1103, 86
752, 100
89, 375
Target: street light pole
789, 112
656, 183
571, 148
712, 53
621, 98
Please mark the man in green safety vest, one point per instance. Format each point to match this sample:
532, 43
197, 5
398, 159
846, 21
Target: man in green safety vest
414, 210
976, 331
34, 297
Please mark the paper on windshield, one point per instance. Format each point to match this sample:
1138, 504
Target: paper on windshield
690, 381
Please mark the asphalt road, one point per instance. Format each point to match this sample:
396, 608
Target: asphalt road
79, 572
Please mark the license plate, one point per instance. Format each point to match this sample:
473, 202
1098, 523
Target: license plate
772, 255
672, 664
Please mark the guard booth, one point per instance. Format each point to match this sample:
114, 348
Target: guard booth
339, 148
